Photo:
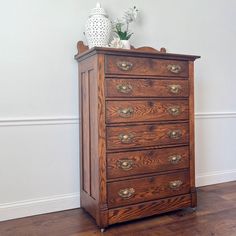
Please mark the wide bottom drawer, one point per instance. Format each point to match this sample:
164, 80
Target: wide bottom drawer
126, 192
145, 209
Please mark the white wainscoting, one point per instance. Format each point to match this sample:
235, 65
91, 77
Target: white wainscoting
38, 206
40, 170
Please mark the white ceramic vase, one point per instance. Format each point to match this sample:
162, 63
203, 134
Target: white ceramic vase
98, 28
126, 44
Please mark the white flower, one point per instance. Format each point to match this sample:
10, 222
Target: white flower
116, 43
130, 15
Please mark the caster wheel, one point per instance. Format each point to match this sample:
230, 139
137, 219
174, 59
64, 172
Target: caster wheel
194, 209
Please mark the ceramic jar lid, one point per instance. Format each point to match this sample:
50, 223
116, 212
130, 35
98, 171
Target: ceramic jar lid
98, 10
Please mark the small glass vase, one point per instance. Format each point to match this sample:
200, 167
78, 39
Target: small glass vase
126, 44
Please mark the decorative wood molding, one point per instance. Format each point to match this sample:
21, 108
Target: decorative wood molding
83, 48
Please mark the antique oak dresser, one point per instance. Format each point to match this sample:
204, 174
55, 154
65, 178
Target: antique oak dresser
136, 132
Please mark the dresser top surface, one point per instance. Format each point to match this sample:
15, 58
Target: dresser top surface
84, 52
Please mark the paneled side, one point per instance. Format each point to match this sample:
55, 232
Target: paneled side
85, 132
93, 133
89, 135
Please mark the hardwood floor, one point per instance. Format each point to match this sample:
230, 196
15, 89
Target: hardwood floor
215, 216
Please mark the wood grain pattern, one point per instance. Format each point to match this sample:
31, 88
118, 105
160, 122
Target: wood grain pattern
148, 188
144, 66
215, 216
136, 110
147, 161
88, 158
150, 208
146, 135
146, 110
191, 134
102, 219
147, 87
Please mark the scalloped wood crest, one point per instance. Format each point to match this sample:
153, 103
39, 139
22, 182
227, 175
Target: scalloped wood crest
83, 48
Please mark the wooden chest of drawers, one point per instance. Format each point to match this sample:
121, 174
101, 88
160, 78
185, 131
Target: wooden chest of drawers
136, 133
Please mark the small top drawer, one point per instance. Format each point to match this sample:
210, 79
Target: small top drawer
145, 66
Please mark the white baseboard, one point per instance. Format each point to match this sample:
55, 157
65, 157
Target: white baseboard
215, 177
70, 201
39, 206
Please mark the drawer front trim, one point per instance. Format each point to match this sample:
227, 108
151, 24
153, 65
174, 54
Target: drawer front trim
125, 164
126, 192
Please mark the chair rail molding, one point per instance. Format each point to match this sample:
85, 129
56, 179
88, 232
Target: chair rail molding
61, 120
29, 121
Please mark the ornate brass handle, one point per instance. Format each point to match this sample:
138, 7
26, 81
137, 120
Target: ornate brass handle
175, 88
124, 88
124, 65
125, 164
175, 159
174, 111
126, 192
126, 138
126, 112
175, 184
175, 134
174, 68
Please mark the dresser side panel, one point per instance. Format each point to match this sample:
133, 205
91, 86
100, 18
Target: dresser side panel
103, 206
191, 133
89, 135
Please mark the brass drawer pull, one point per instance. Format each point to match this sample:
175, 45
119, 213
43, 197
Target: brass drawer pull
126, 138
175, 88
175, 159
126, 112
174, 111
126, 193
124, 88
124, 65
174, 68
175, 134
175, 184
125, 164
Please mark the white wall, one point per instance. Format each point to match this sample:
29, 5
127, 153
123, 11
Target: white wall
39, 170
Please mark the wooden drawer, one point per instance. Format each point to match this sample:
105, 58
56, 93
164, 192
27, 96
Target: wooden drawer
147, 135
146, 110
148, 188
146, 88
123, 164
145, 66
144, 209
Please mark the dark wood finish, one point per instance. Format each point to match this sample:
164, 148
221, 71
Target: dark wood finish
146, 110
147, 87
146, 135
136, 132
148, 188
191, 134
85, 53
215, 215
81, 47
144, 66
148, 49
146, 161
138, 211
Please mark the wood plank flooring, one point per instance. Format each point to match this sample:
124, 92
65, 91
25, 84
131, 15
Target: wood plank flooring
215, 216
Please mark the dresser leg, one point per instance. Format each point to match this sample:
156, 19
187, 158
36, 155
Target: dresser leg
102, 230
